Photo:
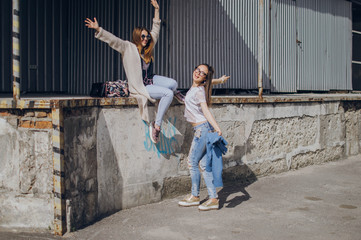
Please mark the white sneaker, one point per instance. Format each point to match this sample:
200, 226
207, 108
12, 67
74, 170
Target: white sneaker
209, 205
189, 201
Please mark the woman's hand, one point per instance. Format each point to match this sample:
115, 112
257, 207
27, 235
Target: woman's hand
224, 78
218, 131
91, 24
220, 80
154, 3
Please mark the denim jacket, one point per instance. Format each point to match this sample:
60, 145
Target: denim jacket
216, 146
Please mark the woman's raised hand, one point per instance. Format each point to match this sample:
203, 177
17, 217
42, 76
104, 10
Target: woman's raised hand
154, 3
224, 78
91, 24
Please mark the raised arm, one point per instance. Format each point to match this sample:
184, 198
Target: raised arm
220, 80
156, 9
107, 37
156, 22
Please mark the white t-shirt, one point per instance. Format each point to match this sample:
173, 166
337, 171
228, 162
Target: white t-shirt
193, 111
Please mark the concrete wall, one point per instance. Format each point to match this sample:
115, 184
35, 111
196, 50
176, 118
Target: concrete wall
26, 169
111, 164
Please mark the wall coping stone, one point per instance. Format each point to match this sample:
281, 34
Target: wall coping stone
85, 101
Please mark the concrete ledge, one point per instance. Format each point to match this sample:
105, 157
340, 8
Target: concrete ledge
73, 102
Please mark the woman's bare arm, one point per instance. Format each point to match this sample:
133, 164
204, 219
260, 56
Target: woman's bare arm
210, 118
220, 80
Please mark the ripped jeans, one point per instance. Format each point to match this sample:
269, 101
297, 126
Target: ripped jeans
197, 159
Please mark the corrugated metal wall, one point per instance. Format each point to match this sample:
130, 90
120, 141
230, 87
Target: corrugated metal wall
283, 46
59, 54
222, 33
5, 46
324, 58
43, 37
91, 60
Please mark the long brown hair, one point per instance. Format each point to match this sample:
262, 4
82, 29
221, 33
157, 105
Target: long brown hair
208, 83
147, 51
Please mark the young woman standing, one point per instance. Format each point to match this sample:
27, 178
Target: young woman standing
197, 101
138, 63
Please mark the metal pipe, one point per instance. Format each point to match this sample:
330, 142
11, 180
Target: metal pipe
260, 46
16, 49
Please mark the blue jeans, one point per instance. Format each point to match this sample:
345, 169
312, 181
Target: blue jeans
163, 88
197, 159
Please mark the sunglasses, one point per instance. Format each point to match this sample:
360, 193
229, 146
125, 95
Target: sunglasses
200, 72
148, 37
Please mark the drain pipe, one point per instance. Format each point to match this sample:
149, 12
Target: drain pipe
260, 46
16, 49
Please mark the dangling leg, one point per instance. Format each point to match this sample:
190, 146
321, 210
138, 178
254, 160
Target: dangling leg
166, 96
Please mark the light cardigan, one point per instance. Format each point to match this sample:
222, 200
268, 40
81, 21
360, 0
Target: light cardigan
132, 65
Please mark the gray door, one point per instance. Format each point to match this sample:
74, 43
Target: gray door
324, 54
310, 45
283, 46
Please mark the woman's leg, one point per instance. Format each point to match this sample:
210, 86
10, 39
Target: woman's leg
208, 178
166, 97
196, 153
165, 82
170, 84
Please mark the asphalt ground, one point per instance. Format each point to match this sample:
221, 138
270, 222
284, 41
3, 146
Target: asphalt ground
320, 202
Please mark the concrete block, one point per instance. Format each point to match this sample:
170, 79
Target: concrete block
175, 186
9, 157
332, 130
29, 114
26, 124
43, 125
41, 114
275, 137
317, 157
352, 133
26, 211
265, 168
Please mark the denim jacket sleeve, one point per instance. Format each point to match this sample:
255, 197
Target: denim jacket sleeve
216, 146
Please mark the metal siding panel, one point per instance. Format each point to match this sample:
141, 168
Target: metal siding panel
5, 46
41, 46
283, 46
222, 33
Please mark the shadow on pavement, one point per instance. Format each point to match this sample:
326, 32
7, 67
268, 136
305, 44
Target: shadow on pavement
236, 181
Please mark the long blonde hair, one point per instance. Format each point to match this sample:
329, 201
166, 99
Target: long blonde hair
147, 52
207, 83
